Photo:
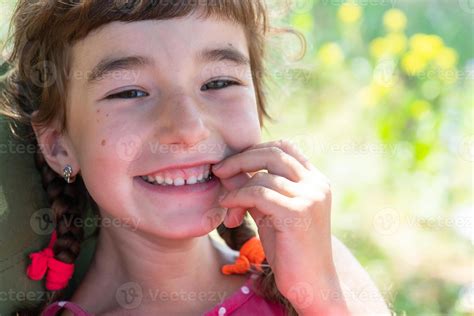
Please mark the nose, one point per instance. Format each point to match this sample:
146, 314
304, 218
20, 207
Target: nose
181, 121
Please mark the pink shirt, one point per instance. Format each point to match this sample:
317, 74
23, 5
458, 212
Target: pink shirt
242, 302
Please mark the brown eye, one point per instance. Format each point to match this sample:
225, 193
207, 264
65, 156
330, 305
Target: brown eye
218, 84
129, 94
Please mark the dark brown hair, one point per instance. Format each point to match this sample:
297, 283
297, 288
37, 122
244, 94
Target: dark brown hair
43, 33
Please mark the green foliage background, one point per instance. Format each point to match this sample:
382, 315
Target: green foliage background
382, 103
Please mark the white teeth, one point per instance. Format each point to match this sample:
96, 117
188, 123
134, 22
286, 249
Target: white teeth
178, 181
191, 180
159, 179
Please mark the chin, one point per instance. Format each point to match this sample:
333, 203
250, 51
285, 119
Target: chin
186, 225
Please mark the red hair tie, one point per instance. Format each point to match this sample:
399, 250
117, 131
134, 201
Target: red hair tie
251, 253
59, 272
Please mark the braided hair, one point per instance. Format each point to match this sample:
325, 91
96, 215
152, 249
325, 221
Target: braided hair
44, 31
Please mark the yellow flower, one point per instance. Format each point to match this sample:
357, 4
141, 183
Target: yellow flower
378, 47
426, 45
446, 58
392, 44
349, 12
413, 63
331, 54
395, 20
419, 108
397, 43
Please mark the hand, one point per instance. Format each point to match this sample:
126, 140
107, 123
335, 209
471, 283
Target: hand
291, 205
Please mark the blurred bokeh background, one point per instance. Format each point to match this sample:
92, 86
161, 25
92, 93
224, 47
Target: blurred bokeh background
382, 104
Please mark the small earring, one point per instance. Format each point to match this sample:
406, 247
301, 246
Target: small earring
67, 171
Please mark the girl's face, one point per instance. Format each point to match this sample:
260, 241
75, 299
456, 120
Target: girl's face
152, 95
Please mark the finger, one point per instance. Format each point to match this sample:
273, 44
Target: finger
273, 159
235, 182
267, 201
288, 147
291, 149
274, 182
235, 215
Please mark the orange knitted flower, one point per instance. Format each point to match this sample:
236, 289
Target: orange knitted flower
251, 252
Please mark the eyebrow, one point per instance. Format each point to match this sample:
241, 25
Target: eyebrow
224, 54
111, 64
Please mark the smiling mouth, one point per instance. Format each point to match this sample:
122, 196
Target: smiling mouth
166, 181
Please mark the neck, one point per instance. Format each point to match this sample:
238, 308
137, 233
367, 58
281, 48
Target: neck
162, 269
163, 263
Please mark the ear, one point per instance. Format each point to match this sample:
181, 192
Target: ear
56, 148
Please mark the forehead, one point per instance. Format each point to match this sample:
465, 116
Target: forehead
169, 42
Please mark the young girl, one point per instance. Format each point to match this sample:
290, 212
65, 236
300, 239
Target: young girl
152, 110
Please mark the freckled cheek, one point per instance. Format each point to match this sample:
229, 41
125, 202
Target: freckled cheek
105, 174
108, 154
